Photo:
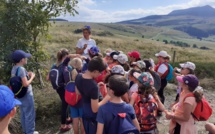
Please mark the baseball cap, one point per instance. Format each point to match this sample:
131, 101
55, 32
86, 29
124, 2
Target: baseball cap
17, 55
144, 78
190, 80
189, 65
134, 54
7, 101
94, 50
117, 69
122, 58
140, 64
162, 54
114, 55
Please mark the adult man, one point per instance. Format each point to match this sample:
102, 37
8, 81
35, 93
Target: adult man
85, 43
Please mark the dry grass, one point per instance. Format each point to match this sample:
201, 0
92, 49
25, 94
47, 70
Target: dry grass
61, 35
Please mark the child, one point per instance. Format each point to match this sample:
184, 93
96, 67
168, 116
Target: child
20, 59
7, 108
112, 61
89, 91
117, 88
134, 56
146, 103
63, 58
77, 110
134, 86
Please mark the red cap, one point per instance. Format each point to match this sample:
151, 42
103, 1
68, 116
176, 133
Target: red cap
134, 54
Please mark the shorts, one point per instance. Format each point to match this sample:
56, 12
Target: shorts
76, 112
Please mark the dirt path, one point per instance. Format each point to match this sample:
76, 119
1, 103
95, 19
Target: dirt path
163, 124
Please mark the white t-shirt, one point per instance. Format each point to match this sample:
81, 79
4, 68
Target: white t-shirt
90, 43
162, 68
133, 88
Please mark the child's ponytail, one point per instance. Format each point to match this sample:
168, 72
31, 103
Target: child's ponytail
198, 93
61, 54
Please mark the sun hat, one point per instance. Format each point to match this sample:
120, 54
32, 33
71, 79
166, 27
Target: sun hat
117, 69
162, 54
134, 54
189, 65
7, 101
144, 78
190, 80
140, 64
17, 55
122, 58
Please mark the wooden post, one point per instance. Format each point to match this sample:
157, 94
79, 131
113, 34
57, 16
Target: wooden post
173, 58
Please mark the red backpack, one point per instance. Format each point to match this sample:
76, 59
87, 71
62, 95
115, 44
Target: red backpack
72, 96
203, 109
146, 112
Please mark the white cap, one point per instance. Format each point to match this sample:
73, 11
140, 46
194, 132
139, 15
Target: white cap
162, 54
189, 65
122, 58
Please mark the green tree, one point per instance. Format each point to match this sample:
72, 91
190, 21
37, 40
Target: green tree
22, 23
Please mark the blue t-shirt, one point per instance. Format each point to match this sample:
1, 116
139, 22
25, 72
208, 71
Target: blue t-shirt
105, 116
88, 89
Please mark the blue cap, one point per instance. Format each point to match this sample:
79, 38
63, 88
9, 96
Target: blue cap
7, 101
20, 54
87, 27
94, 50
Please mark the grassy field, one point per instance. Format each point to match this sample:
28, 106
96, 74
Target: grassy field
125, 38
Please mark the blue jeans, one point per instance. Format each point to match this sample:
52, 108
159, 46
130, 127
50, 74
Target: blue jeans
28, 113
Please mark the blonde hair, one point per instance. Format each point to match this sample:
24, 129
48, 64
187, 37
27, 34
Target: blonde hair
76, 63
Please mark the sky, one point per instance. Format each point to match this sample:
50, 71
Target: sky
118, 10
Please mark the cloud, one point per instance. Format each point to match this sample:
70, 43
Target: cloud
88, 12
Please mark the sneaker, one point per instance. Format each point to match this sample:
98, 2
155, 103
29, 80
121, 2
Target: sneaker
65, 129
36, 132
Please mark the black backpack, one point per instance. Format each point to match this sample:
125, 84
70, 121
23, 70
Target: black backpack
16, 85
59, 76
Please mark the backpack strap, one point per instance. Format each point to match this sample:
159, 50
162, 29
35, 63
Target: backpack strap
192, 95
17, 71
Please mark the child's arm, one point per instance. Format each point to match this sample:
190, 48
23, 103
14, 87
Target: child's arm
95, 104
100, 128
210, 127
133, 98
136, 123
160, 104
27, 82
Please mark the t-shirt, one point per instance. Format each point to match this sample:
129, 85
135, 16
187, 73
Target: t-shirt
105, 113
90, 43
88, 89
22, 73
133, 88
162, 68
187, 127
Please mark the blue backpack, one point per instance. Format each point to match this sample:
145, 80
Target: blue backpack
16, 85
122, 124
170, 75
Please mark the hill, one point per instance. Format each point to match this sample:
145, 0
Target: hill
197, 21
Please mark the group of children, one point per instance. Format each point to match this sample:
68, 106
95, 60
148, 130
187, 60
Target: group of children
118, 88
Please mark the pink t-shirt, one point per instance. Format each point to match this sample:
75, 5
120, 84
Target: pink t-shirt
187, 127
